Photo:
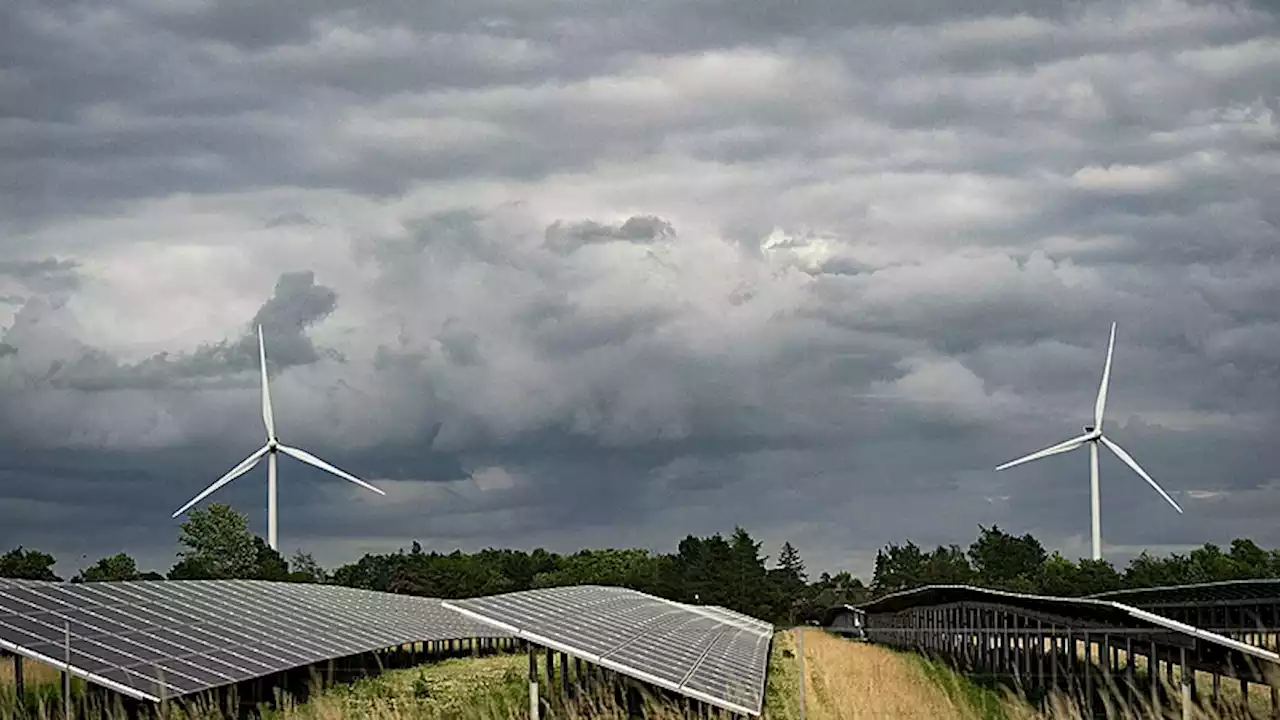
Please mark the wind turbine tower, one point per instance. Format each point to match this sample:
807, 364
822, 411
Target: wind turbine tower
1091, 437
270, 450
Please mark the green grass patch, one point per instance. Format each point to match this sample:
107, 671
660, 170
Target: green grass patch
493, 686
985, 702
782, 684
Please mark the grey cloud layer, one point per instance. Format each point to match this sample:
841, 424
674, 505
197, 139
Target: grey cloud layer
607, 273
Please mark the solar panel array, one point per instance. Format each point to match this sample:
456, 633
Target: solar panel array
16, 582
1229, 591
152, 640
704, 652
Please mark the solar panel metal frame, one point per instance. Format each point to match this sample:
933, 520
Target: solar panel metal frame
147, 639
1262, 590
938, 594
723, 628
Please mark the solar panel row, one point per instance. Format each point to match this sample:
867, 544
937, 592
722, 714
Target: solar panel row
13, 582
705, 652
1238, 591
152, 640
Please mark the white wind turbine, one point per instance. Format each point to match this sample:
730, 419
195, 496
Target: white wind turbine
270, 450
1093, 435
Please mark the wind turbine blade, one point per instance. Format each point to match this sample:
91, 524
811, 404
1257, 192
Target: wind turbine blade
1061, 447
1128, 460
316, 462
268, 418
245, 466
1101, 404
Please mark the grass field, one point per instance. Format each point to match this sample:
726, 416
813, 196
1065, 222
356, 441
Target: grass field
844, 680
977, 701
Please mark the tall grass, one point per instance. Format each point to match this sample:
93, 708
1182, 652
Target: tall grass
1001, 702
486, 688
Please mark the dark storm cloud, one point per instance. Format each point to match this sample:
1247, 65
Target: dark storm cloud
46, 276
296, 304
903, 231
638, 229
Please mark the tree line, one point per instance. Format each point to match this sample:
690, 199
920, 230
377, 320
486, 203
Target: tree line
715, 570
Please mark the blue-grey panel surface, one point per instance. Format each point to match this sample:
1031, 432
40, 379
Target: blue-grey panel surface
706, 652
155, 639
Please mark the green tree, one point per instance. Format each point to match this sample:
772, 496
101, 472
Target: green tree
947, 566
1097, 576
268, 564
1058, 576
1005, 562
114, 568
1147, 570
747, 576
623, 568
832, 590
1208, 563
791, 565
219, 546
788, 578
371, 572
898, 567
306, 569
25, 564
1250, 560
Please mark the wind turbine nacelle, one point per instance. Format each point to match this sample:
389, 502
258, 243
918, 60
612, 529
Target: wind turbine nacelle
1088, 428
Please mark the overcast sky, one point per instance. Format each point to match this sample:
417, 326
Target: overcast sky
609, 273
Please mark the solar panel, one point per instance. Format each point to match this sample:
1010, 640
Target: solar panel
705, 652
155, 639
1227, 591
1104, 612
17, 582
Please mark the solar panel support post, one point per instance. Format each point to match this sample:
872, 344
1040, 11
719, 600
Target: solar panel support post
1106, 653
1029, 652
551, 672
970, 644
1002, 642
1053, 657
66, 674
1069, 663
564, 675
1040, 653
1153, 674
1130, 693
1001, 657
18, 683
1186, 686
1088, 675
1024, 649
533, 683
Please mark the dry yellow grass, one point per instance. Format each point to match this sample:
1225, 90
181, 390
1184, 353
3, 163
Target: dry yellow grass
851, 681
33, 672
888, 686
1230, 695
